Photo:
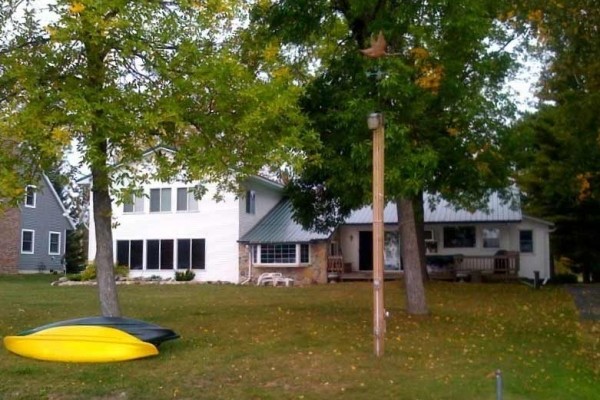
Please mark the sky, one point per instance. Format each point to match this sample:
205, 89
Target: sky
522, 86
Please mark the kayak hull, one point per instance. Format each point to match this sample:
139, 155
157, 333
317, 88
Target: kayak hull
94, 344
142, 330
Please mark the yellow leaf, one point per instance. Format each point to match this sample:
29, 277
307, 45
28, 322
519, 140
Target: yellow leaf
419, 53
76, 8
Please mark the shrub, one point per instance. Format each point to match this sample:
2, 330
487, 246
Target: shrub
89, 273
184, 276
74, 277
121, 270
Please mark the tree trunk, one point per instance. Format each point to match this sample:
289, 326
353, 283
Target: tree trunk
416, 303
105, 272
420, 230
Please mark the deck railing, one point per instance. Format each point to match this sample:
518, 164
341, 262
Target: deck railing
335, 265
499, 265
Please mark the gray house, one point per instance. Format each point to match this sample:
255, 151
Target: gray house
498, 243
33, 235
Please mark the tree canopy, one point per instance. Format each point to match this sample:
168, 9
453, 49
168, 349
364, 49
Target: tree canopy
560, 169
118, 77
440, 89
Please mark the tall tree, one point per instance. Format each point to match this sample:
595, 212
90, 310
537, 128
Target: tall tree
439, 87
118, 77
560, 170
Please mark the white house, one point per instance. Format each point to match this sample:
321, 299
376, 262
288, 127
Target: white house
498, 243
475, 237
166, 229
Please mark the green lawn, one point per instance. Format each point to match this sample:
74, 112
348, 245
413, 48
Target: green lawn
244, 342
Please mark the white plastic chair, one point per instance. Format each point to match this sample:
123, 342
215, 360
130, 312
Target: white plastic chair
272, 277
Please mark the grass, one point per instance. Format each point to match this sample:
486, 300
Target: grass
243, 342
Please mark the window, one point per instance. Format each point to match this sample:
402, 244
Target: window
190, 253
255, 254
186, 200
27, 241
526, 241
428, 235
30, 197
491, 238
304, 253
334, 249
54, 243
136, 205
160, 200
130, 253
459, 236
284, 253
250, 202
159, 254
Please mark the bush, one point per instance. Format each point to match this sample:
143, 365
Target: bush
184, 276
121, 270
564, 278
74, 277
89, 273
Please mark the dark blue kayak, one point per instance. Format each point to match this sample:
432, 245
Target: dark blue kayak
144, 331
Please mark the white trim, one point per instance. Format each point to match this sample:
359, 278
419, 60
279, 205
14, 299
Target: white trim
27, 195
135, 201
190, 199
160, 198
533, 246
432, 238
50, 243
296, 263
541, 221
32, 241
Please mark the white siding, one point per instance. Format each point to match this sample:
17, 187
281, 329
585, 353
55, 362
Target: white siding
539, 260
216, 222
267, 197
478, 250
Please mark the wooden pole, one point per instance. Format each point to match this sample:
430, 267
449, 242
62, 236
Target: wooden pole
378, 232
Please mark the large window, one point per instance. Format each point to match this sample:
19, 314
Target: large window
526, 241
491, 238
191, 253
54, 243
186, 200
27, 241
30, 197
159, 254
284, 253
160, 200
130, 253
459, 236
250, 202
136, 205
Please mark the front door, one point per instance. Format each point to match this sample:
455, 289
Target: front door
365, 250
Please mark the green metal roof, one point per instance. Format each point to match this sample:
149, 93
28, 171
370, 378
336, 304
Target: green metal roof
278, 226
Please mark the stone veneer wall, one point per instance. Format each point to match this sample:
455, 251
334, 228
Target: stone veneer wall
10, 238
314, 273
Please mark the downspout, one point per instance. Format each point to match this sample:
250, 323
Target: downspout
249, 249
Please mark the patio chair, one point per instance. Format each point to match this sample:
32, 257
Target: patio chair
269, 277
275, 278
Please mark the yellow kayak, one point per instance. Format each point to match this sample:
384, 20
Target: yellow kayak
80, 343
